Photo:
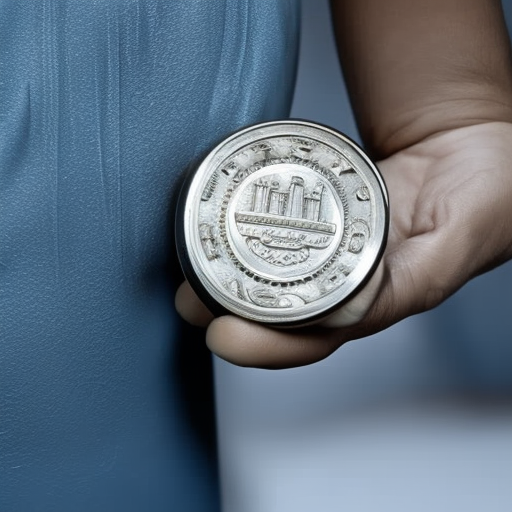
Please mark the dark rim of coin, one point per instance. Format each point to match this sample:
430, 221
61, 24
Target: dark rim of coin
282, 223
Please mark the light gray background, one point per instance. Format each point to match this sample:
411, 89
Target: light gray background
417, 418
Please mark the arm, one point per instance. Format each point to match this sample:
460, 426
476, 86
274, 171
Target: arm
416, 68
431, 86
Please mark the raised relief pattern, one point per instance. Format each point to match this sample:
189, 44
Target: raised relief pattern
284, 224
208, 241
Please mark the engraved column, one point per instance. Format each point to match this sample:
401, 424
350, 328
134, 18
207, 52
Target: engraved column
296, 201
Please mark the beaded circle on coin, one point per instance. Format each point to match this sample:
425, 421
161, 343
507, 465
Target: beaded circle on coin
282, 223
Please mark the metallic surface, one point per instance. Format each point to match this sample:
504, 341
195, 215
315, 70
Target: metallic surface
282, 222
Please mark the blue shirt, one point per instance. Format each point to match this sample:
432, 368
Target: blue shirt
103, 105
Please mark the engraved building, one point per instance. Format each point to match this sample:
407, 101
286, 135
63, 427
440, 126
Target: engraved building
294, 202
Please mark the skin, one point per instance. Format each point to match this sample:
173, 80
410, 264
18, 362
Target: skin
431, 87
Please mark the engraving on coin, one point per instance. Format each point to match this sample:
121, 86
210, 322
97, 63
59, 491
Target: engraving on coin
209, 189
208, 241
363, 194
281, 216
359, 233
291, 221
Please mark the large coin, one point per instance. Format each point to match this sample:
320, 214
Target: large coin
282, 223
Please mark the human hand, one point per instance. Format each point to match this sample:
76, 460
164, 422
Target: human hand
451, 207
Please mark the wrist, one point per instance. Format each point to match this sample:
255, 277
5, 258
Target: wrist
474, 105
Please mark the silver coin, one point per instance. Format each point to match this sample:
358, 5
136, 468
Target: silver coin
282, 223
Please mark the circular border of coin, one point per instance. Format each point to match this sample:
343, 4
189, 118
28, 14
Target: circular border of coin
204, 249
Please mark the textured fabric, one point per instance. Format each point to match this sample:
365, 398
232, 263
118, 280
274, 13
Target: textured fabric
103, 104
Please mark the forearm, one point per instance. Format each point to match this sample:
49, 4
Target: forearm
418, 67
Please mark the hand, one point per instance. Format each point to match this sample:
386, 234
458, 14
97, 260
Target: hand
451, 219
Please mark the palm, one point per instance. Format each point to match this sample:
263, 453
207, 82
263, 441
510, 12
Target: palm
451, 201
